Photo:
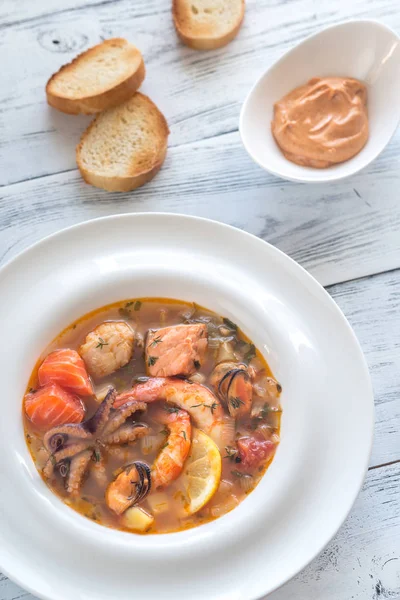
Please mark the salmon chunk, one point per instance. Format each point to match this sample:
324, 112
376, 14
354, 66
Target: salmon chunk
107, 348
66, 368
51, 405
176, 350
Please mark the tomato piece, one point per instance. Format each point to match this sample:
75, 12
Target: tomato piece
51, 405
66, 368
253, 452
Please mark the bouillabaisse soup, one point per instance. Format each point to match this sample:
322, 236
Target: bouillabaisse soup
152, 415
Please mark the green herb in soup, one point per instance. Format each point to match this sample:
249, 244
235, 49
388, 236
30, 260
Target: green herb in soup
152, 415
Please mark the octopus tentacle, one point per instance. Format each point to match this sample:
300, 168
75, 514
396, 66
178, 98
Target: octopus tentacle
77, 470
121, 415
58, 436
127, 433
102, 414
69, 451
61, 455
72, 446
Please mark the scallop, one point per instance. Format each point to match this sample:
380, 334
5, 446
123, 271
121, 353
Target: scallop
107, 348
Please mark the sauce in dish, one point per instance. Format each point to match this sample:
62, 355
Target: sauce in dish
152, 415
322, 123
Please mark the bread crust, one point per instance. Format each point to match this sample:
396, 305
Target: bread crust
92, 104
133, 180
205, 42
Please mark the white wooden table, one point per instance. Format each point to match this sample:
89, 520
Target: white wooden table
346, 234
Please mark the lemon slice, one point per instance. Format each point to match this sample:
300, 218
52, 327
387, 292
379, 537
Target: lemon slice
201, 473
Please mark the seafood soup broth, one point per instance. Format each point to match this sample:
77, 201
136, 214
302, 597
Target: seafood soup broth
159, 416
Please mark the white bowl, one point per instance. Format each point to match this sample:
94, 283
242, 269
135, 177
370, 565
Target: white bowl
365, 50
327, 421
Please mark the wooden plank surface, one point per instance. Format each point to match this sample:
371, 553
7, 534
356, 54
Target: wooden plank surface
38, 37
338, 232
367, 549
346, 234
372, 306
362, 561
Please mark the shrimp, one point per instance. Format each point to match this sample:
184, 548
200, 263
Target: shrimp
201, 404
107, 348
169, 462
133, 484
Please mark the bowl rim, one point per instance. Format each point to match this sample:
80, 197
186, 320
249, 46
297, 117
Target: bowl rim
14, 576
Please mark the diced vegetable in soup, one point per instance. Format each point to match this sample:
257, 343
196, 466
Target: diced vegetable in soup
152, 416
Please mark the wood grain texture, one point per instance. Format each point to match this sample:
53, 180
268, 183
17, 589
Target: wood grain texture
338, 232
361, 562
186, 84
346, 234
367, 549
372, 306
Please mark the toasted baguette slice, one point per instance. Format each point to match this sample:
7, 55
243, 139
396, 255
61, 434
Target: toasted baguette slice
97, 79
125, 146
207, 24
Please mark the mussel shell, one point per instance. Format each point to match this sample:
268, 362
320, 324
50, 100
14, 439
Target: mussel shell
234, 375
228, 378
143, 487
233, 401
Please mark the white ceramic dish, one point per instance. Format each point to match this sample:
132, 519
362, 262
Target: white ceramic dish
365, 50
327, 423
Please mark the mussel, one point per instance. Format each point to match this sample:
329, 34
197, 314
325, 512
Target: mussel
130, 487
233, 386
